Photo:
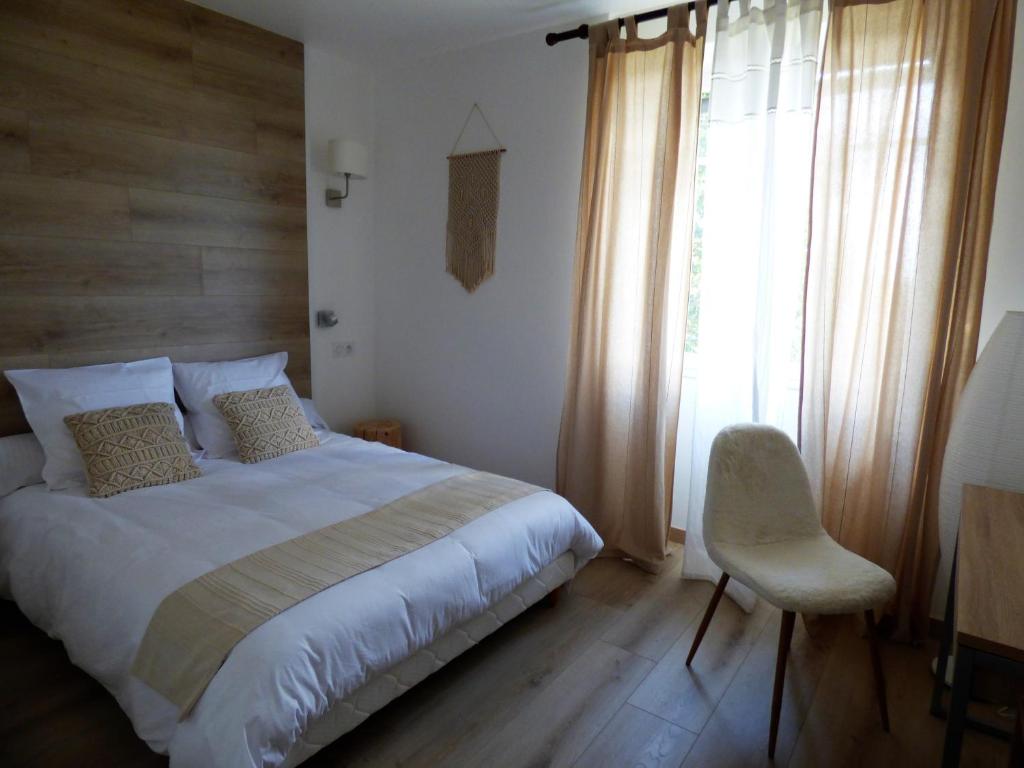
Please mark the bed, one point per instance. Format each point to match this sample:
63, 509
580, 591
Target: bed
91, 572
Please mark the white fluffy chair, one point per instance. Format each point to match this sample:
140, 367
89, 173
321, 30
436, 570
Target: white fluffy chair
761, 528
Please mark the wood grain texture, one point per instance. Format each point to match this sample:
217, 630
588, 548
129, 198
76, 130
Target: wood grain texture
637, 739
52, 86
152, 188
244, 74
989, 579
40, 205
70, 150
50, 266
454, 720
736, 734
651, 626
841, 728
241, 272
144, 37
212, 27
52, 324
457, 716
279, 136
14, 141
687, 696
48, 85
170, 217
556, 727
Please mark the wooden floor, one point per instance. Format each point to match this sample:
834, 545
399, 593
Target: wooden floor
597, 680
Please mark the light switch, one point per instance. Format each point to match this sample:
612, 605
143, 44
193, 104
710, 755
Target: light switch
326, 318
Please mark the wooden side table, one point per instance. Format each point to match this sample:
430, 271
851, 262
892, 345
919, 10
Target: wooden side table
387, 431
984, 608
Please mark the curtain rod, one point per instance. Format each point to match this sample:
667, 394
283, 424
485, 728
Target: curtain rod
582, 32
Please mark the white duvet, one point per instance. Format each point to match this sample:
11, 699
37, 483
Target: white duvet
91, 572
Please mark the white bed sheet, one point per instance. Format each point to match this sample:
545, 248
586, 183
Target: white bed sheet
91, 572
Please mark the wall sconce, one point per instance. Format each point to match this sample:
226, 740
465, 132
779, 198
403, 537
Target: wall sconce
349, 159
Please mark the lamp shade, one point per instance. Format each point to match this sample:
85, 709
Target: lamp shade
986, 439
349, 157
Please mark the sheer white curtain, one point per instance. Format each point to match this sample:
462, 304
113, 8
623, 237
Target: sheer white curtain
746, 365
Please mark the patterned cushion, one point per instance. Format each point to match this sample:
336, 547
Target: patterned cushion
135, 446
266, 422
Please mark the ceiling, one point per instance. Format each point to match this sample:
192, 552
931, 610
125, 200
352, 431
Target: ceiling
391, 33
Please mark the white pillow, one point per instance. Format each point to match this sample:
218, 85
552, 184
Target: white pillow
316, 421
190, 437
199, 383
21, 462
47, 395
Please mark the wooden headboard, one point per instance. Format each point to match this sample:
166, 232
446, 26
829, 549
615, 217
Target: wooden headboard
152, 188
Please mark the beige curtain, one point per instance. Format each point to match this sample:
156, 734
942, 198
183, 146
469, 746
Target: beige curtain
908, 141
616, 451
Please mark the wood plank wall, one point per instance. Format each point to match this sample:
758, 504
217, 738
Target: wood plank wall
152, 188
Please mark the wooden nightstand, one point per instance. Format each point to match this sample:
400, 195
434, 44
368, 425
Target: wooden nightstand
387, 431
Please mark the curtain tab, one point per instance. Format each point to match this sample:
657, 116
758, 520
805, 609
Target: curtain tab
702, 16
602, 34
679, 16
631, 28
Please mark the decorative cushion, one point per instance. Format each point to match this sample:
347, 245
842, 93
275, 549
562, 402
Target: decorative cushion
131, 447
266, 422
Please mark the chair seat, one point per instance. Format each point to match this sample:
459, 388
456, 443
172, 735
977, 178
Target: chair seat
807, 575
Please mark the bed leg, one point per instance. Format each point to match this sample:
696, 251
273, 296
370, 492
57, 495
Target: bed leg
552, 598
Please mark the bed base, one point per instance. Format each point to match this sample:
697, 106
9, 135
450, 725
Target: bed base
386, 686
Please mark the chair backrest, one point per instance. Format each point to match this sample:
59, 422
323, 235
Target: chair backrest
758, 491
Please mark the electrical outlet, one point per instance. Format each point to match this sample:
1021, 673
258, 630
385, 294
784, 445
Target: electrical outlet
344, 348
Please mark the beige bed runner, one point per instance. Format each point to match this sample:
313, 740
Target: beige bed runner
195, 627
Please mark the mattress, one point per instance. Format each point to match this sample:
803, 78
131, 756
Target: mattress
91, 572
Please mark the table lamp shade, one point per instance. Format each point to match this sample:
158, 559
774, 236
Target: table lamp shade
349, 157
986, 440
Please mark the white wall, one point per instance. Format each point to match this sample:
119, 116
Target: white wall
1004, 284
340, 103
478, 378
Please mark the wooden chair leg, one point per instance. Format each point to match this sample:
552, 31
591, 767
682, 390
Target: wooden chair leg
876, 662
708, 613
785, 636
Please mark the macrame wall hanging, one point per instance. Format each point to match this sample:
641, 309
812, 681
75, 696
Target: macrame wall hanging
473, 183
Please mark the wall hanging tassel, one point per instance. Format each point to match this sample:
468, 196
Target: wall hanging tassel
473, 189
